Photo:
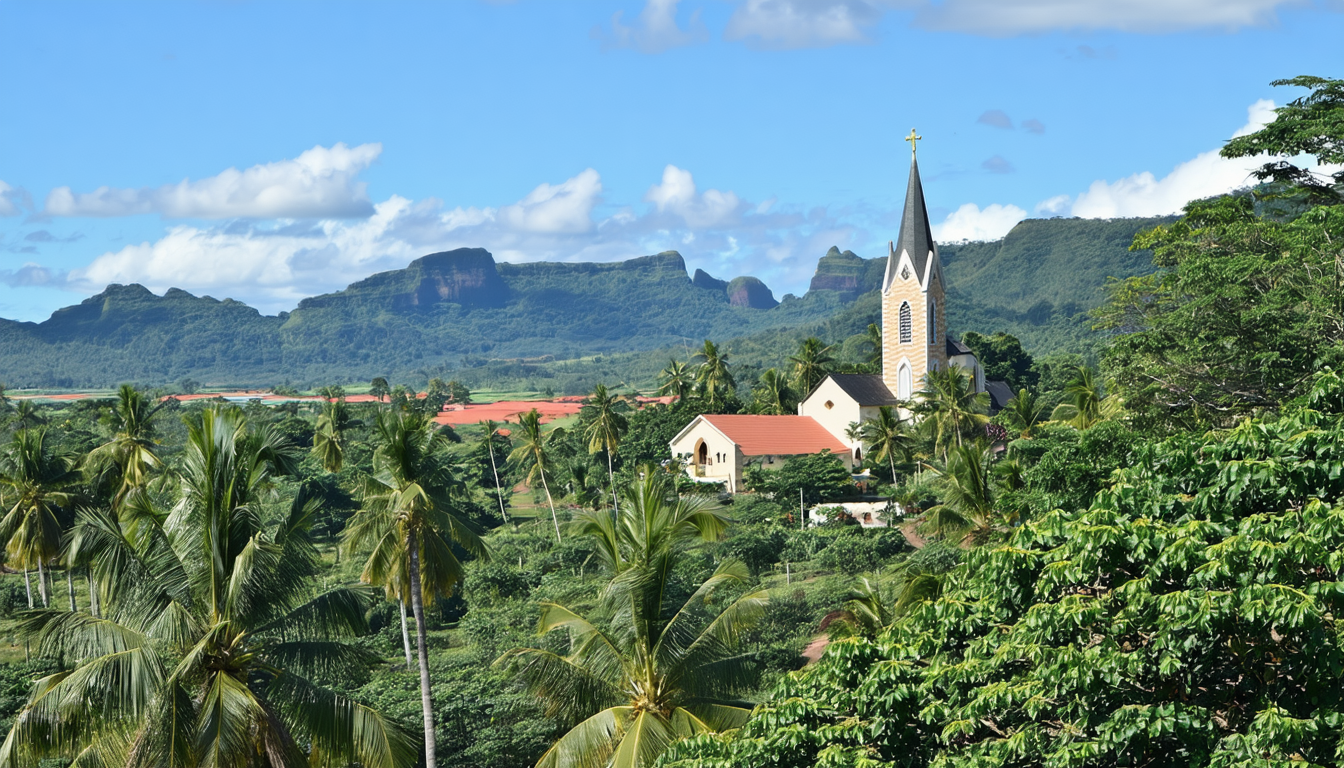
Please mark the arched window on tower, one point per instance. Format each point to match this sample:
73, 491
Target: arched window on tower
933, 321
904, 382
905, 322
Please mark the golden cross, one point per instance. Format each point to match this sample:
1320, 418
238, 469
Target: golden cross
912, 138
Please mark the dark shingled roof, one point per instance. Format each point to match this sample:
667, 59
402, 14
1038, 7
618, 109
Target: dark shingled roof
999, 394
865, 388
916, 236
955, 348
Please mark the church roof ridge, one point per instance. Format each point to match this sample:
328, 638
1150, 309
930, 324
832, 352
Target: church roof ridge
916, 236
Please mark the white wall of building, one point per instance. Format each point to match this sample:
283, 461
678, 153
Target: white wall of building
709, 454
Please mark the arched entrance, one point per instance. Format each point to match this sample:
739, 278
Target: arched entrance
702, 454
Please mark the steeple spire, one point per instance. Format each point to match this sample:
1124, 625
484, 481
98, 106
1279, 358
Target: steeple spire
916, 237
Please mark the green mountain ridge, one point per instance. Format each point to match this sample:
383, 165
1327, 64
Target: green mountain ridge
454, 312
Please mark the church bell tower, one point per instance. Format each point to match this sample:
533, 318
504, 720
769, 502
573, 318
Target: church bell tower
914, 316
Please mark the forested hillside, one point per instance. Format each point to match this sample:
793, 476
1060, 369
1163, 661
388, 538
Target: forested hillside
541, 324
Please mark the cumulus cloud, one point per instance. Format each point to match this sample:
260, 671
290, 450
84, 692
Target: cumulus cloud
272, 265
970, 222
654, 31
805, 23
677, 195
1144, 194
1001, 18
31, 275
997, 164
996, 118
11, 199
320, 183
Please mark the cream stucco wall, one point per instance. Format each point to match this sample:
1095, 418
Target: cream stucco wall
836, 419
724, 460
919, 352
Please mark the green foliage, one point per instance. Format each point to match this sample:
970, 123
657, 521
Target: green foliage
1003, 359
1188, 614
821, 477
862, 552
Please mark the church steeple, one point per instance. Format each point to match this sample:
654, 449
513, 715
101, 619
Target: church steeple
916, 236
914, 315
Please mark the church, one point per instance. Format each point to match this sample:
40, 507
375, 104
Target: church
914, 341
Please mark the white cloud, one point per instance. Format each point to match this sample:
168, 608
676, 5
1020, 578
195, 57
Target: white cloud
1144, 194
677, 195
805, 23
970, 222
11, 199
320, 183
998, 18
272, 265
654, 31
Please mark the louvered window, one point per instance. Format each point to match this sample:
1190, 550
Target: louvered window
906, 333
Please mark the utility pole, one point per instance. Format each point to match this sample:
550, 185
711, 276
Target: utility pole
802, 512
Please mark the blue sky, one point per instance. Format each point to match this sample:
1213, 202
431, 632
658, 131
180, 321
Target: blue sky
271, 151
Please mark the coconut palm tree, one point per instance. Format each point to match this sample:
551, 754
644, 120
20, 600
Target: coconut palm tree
490, 437
677, 380
968, 499
534, 455
407, 519
713, 376
949, 407
38, 491
329, 434
132, 451
26, 415
604, 413
1024, 411
773, 394
886, 437
874, 360
1086, 406
811, 364
655, 671
212, 633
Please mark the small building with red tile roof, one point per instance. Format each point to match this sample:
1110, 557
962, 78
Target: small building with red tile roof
718, 447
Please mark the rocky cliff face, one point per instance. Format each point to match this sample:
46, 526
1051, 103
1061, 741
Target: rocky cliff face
466, 276
839, 272
702, 279
750, 292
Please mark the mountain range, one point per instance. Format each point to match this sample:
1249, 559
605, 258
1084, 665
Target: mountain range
449, 313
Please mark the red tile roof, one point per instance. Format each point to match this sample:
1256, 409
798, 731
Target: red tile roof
776, 435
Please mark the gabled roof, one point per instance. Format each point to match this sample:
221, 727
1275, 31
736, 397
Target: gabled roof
775, 435
916, 236
865, 388
955, 348
999, 394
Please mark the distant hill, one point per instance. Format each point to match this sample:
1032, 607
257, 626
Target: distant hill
455, 312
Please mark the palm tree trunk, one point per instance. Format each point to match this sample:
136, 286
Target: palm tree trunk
891, 457
93, 596
70, 586
418, 608
499, 492
28, 587
405, 635
42, 583
549, 500
611, 473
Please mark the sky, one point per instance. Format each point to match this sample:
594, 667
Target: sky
269, 151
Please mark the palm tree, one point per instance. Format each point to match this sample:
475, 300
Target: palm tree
533, 454
886, 437
211, 634
677, 380
329, 434
26, 415
1024, 411
658, 671
713, 376
968, 507
950, 408
604, 414
490, 435
773, 394
811, 364
37, 490
1086, 407
407, 519
132, 451
875, 339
